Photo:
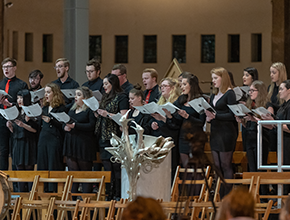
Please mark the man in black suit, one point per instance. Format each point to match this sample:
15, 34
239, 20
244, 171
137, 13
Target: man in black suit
12, 85
149, 78
93, 71
64, 81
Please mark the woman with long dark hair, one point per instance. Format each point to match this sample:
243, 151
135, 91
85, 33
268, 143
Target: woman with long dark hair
190, 90
113, 101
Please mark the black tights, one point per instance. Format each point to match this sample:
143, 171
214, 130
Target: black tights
115, 169
24, 186
75, 164
223, 162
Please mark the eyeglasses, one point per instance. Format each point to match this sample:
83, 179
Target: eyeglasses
7, 67
89, 71
252, 90
58, 67
162, 86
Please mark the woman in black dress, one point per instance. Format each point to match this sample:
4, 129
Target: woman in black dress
278, 74
113, 101
257, 98
224, 127
78, 148
190, 90
136, 98
283, 113
24, 138
50, 143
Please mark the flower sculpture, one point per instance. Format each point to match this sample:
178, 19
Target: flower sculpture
135, 152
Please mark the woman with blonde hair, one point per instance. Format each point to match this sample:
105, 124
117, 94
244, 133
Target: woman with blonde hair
50, 143
78, 148
278, 74
169, 90
224, 128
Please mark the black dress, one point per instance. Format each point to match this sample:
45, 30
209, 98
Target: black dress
141, 119
178, 121
274, 103
50, 143
224, 128
24, 143
79, 142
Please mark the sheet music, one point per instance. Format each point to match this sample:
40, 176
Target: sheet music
2, 92
10, 113
238, 92
150, 108
32, 110
240, 110
69, 93
117, 118
62, 117
170, 107
98, 95
37, 95
196, 105
92, 103
261, 111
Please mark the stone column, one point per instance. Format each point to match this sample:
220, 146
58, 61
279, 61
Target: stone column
76, 37
281, 32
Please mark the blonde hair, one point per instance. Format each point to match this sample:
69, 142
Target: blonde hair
174, 92
57, 98
225, 82
153, 72
262, 98
87, 93
282, 77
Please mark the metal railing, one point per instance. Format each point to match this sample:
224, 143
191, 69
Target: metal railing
279, 167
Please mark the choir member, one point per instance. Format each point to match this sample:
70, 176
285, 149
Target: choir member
249, 76
224, 128
257, 98
190, 90
78, 148
149, 78
113, 101
136, 98
278, 74
283, 113
50, 143
24, 138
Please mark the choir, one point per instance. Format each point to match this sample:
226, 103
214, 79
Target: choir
50, 144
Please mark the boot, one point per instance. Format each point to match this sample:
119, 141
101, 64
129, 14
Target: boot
109, 191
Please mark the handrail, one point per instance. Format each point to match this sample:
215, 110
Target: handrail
279, 167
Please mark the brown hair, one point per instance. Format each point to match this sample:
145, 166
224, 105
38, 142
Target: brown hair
226, 81
137, 91
57, 99
87, 93
143, 209
8, 59
153, 72
95, 63
262, 98
238, 203
121, 67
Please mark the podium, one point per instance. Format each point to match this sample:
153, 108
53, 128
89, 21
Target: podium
156, 184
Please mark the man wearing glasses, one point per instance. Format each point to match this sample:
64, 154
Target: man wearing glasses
121, 71
64, 81
93, 71
12, 85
